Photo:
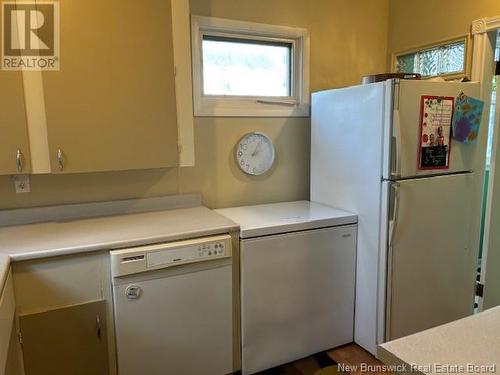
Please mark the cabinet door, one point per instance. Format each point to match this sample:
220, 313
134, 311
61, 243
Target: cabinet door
7, 307
112, 104
14, 144
70, 340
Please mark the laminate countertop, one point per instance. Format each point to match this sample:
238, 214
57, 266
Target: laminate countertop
469, 345
276, 218
55, 238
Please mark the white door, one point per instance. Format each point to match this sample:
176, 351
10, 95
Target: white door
406, 128
180, 324
297, 295
490, 267
431, 264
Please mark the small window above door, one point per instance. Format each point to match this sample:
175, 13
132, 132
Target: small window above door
447, 59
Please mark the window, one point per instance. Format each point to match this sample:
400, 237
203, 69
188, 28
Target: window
447, 59
249, 69
493, 104
246, 67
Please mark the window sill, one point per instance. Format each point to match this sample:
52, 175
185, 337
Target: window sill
260, 107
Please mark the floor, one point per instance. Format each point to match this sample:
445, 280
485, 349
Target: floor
348, 359
358, 360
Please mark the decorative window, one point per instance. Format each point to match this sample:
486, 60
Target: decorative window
448, 59
249, 69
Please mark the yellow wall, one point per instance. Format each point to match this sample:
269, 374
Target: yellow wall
348, 40
421, 22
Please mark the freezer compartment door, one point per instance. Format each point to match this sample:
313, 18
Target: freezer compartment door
405, 145
431, 265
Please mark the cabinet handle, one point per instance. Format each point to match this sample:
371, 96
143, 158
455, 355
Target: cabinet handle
98, 326
60, 159
19, 160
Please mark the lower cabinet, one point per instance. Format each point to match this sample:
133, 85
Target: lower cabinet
69, 340
64, 316
13, 365
7, 308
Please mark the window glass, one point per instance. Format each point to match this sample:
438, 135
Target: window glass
240, 67
492, 108
493, 104
431, 62
497, 49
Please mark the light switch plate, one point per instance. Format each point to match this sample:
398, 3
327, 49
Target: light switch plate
22, 183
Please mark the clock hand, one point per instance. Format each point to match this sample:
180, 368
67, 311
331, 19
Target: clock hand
255, 152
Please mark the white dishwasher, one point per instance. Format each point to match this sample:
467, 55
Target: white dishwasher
297, 281
173, 306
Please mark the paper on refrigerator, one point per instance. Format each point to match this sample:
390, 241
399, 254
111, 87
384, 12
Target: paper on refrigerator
436, 113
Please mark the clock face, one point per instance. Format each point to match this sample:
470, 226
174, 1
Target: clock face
255, 154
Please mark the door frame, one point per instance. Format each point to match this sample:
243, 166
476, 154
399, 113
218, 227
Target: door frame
483, 31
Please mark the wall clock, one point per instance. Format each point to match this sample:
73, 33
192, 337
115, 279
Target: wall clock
255, 153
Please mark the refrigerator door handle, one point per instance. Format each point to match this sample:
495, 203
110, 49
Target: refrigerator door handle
396, 154
394, 211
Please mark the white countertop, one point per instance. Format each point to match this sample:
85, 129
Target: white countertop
473, 340
55, 238
275, 218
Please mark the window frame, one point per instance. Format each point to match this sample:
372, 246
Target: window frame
448, 76
296, 105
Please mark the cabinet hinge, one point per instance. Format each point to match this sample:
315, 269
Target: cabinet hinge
20, 337
479, 289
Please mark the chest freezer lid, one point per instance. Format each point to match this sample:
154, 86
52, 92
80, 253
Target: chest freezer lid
277, 218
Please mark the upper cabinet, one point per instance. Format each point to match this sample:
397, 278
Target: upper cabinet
14, 144
112, 104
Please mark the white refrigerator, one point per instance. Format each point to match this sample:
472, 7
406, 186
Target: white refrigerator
416, 256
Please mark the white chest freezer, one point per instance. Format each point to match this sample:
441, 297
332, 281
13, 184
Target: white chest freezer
297, 281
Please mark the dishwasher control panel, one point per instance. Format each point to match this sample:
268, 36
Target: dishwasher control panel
186, 254
151, 257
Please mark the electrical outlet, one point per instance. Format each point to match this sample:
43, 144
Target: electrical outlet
22, 183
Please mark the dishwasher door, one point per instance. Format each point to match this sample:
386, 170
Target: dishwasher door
175, 321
